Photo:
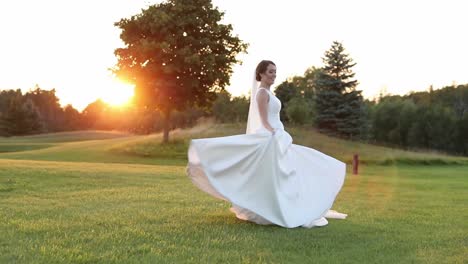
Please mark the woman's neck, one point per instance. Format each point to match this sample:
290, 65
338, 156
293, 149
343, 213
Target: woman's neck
264, 85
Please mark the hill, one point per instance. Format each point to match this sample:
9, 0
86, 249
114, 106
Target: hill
101, 146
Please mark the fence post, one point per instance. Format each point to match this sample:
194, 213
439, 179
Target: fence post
355, 164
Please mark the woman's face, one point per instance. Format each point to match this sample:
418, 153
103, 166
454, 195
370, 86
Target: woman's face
269, 76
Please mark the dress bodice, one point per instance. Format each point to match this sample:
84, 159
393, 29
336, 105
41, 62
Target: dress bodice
274, 108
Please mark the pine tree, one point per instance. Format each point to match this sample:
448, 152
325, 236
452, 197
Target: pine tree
339, 106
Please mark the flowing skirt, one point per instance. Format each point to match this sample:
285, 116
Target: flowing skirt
268, 179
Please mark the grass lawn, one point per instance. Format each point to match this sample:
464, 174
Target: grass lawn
117, 198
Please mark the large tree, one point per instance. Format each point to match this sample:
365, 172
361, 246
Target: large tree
178, 54
340, 107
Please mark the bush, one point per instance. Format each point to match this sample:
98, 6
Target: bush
299, 111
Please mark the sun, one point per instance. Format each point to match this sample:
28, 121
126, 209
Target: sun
117, 93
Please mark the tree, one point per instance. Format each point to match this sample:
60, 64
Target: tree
21, 118
307, 86
221, 107
433, 119
178, 54
298, 110
385, 121
94, 114
71, 118
297, 87
406, 117
351, 115
461, 136
47, 103
285, 92
230, 109
340, 108
6, 96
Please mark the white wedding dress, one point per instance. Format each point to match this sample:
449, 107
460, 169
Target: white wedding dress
268, 179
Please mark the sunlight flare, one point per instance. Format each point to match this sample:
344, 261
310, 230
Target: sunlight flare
117, 93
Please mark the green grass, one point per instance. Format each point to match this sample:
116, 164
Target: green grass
89, 149
115, 147
25, 143
341, 149
126, 199
65, 137
15, 147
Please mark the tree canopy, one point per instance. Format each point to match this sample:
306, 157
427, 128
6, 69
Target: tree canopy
178, 54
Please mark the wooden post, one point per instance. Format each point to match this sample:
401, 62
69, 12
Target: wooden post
355, 164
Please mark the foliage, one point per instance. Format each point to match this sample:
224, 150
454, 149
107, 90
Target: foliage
230, 109
47, 104
436, 119
300, 87
286, 91
299, 111
72, 119
340, 109
37, 111
21, 118
178, 54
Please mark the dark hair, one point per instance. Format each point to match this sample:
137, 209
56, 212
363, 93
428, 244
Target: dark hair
261, 68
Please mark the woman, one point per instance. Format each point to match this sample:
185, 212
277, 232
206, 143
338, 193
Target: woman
267, 179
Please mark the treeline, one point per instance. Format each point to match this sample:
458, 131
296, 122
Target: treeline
435, 119
39, 111
327, 98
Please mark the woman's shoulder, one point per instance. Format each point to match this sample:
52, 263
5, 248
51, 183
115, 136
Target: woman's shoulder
263, 90
262, 94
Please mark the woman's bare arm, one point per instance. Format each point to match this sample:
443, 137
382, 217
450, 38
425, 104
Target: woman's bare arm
262, 101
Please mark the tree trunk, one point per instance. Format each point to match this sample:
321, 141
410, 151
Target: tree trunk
167, 117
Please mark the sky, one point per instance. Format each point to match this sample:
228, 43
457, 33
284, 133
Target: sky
399, 46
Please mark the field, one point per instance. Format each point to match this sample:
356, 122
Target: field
111, 197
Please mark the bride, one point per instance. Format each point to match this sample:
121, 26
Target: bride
267, 179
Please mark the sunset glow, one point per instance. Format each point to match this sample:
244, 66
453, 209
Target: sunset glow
117, 93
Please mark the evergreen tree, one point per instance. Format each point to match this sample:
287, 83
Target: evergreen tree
340, 107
